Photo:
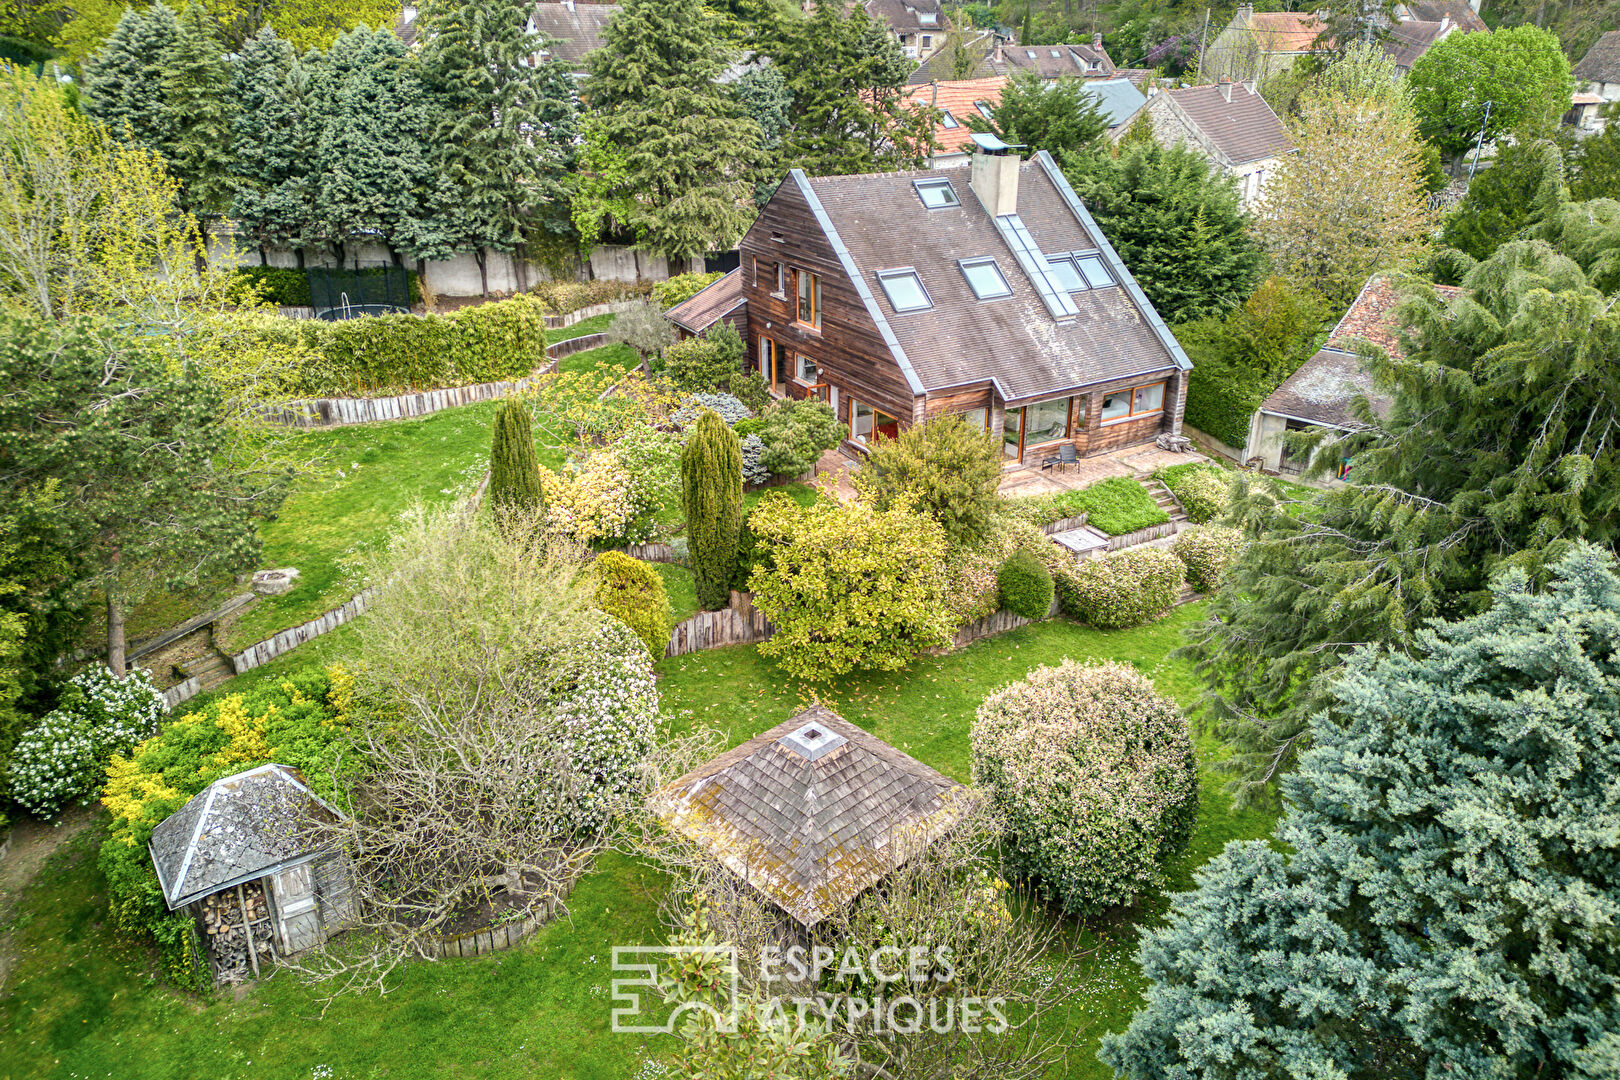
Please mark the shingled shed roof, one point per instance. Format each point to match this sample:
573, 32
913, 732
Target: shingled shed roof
709, 304
1013, 341
812, 812
1601, 64
238, 828
1243, 129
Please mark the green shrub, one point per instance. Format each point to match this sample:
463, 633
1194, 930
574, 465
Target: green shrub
1026, 586
1092, 772
972, 570
514, 468
947, 468
562, 297
751, 390
1206, 551
1115, 592
290, 288
702, 365
712, 499
1202, 489
298, 721
796, 434
634, 593
1116, 506
682, 287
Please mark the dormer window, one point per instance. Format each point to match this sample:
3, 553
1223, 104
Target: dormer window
928, 18
947, 120
905, 290
984, 277
937, 194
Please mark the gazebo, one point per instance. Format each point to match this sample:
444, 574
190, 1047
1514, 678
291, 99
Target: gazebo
812, 812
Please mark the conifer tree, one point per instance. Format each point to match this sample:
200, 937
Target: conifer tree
712, 497
503, 133
123, 82
271, 143
198, 110
514, 470
684, 157
1443, 898
1056, 117
1502, 199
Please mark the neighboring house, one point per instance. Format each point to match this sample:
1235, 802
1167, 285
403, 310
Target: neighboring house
984, 290
405, 26
1320, 393
995, 55
1229, 123
721, 300
1406, 41
920, 26
1597, 82
956, 102
1256, 45
813, 812
1119, 99
238, 859
575, 30
1462, 14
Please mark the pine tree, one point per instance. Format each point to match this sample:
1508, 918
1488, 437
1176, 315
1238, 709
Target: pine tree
372, 173
1441, 893
1501, 200
712, 497
271, 143
514, 470
1057, 117
123, 82
198, 111
504, 131
684, 155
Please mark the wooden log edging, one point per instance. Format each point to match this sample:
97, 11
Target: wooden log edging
498, 938
1066, 524
579, 315
998, 622
183, 691
271, 647
741, 623
570, 346
341, 412
1142, 536
660, 553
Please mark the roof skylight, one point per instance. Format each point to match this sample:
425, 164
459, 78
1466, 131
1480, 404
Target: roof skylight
936, 194
947, 120
984, 109
1096, 271
1079, 271
905, 290
984, 277
1065, 274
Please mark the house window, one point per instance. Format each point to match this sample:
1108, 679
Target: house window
936, 194
809, 290
927, 18
1135, 402
781, 280
1012, 434
1095, 270
927, 42
867, 423
946, 120
905, 290
805, 369
1065, 274
984, 277
978, 419
1074, 273
770, 366
1046, 421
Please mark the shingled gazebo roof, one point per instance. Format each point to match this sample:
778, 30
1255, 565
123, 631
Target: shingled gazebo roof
236, 829
813, 811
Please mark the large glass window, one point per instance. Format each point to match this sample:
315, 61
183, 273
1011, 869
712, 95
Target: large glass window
984, 277
867, 423
1046, 421
1134, 402
770, 366
1065, 274
904, 290
977, 419
1116, 406
809, 290
1012, 434
1148, 399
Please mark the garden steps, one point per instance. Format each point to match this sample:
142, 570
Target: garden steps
209, 670
1162, 497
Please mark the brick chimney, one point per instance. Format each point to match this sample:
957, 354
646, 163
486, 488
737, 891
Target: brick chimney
1226, 87
995, 181
1096, 42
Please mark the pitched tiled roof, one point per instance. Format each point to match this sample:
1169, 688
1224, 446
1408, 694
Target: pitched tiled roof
1602, 61
1371, 317
1138, 76
1409, 40
710, 304
961, 340
957, 98
1462, 16
575, 28
1243, 129
1286, 31
1119, 98
1054, 61
815, 823
238, 828
909, 16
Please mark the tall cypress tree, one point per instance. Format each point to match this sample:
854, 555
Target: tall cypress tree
712, 497
123, 83
198, 107
514, 470
503, 133
271, 143
684, 155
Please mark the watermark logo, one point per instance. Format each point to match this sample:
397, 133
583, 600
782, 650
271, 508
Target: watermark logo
638, 1004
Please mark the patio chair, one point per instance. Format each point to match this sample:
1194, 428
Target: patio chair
1064, 456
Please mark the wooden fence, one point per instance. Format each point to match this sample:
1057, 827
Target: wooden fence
739, 624
497, 938
183, 691
339, 412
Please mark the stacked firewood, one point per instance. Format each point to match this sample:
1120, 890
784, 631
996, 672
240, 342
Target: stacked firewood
226, 934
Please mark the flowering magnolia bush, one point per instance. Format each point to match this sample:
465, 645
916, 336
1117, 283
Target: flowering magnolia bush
1122, 590
601, 503
610, 711
1202, 489
731, 410
1206, 551
60, 760
1093, 774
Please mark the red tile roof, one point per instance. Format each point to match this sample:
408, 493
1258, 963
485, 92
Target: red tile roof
1371, 317
1286, 31
957, 98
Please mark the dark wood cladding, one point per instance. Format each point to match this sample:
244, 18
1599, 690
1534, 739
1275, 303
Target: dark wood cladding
941, 402
848, 349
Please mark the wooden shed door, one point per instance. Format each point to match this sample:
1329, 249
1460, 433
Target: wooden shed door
298, 923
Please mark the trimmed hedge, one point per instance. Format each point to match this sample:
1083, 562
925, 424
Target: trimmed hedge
1119, 591
1206, 551
634, 593
1201, 488
1221, 399
1025, 585
290, 288
1116, 506
562, 297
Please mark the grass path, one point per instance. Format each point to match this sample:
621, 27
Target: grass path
80, 1003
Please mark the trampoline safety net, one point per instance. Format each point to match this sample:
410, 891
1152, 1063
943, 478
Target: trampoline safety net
345, 293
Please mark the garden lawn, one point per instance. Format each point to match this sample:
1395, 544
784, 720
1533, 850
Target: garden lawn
1117, 506
596, 324
79, 1004
616, 358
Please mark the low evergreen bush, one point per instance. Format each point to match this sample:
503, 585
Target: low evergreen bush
728, 407
562, 297
1206, 551
1115, 592
1026, 586
701, 365
634, 593
682, 287
1201, 488
1116, 506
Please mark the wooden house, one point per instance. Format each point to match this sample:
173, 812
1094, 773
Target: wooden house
985, 290
238, 857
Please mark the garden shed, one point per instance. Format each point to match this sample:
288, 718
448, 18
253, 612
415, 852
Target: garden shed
812, 812
239, 858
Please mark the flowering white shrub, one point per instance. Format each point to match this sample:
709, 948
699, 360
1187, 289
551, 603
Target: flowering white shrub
600, 503
63, 758
1093, 774
1128, 588
1206, 551
610, 710
973, 592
